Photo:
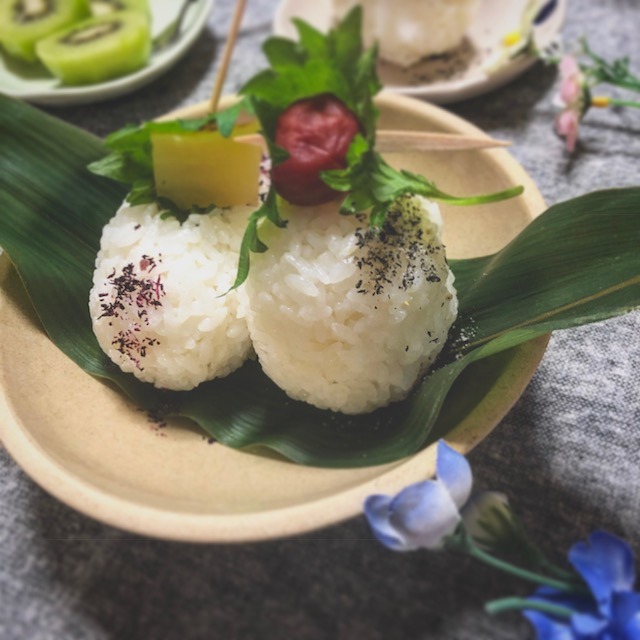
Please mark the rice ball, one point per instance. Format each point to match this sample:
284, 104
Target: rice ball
409, 30
343, 317
155, 304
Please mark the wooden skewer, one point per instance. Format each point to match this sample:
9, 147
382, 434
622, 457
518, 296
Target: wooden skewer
389, 141
226, 55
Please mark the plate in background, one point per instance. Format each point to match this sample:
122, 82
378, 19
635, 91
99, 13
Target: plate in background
91, 447
33, 83
458, 75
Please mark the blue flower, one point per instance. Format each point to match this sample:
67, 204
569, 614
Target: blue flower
611, 612
422, 515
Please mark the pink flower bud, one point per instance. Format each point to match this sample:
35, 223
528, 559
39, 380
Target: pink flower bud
569, 67
567, 125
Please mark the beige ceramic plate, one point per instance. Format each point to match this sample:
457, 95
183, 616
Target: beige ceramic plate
90, 447
472, 69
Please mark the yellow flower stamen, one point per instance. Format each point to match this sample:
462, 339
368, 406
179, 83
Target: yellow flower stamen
600, 101
511, 38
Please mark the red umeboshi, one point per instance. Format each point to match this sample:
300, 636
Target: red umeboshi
316, 132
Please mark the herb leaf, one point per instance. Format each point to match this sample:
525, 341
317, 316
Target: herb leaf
374, 184
318, 63
251, 241
616, 72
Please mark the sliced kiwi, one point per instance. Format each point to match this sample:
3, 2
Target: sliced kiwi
105, 7
98, 49
24, 22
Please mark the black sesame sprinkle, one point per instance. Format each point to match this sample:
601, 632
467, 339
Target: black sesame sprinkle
135, 291
398, 252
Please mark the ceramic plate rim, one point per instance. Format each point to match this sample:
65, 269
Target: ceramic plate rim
59, 96
447, 91
132, 516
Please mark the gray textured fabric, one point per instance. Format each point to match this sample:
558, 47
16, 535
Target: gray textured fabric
567, 454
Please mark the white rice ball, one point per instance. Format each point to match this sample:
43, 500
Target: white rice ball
154, 302
346, 319
409, 30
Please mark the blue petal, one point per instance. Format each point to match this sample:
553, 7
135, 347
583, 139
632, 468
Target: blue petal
454, 471
376, 510
588, 625
626, 616
545, 12
606, 564
424, 514
578, 602
549, 627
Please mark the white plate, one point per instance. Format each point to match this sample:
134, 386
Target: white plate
34, 84
459, 75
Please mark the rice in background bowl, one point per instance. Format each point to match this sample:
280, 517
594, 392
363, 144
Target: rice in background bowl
409, 30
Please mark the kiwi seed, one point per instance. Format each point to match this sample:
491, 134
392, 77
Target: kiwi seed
105, 7
93, 32
26, 11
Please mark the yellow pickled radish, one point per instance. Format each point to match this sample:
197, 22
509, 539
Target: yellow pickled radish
203, 168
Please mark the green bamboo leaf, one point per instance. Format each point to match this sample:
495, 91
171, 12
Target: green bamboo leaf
577, 263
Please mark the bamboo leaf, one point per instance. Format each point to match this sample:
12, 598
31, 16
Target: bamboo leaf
576, 263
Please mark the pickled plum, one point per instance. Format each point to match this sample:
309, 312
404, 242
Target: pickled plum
316, 132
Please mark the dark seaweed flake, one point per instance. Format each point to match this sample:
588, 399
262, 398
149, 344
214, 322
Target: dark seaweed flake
133, 290
396, 252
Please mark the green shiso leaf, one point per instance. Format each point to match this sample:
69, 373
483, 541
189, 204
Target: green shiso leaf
251, 243
372, 184
317, 64
577, 263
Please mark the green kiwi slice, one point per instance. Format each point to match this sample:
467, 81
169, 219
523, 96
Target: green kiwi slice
105, 7
98, 49
24, 22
